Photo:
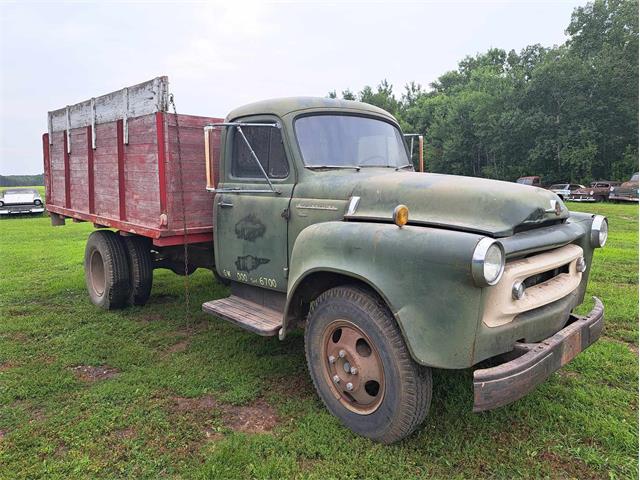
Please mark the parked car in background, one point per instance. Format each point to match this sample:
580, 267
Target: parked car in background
596, 192
563, 190
20, 200
627, 192
532, 180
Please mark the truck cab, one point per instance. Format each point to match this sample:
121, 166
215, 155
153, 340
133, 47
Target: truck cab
321, 222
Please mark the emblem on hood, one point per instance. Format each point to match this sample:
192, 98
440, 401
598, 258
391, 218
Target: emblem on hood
555, 208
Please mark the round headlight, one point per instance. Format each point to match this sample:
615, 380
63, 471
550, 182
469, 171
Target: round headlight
591, 192
37, 202
487, 264
599, 231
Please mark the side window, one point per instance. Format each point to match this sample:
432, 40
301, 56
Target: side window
266, 142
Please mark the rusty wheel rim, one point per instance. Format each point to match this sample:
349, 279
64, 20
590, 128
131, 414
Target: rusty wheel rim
352, 367
96, 273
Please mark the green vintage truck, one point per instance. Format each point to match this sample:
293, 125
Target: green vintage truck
320, 222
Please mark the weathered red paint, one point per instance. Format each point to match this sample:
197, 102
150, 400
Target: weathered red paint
134, 187
167, 237
122, 201
180, 239
162, 176
67, 171
90, 176
47, 166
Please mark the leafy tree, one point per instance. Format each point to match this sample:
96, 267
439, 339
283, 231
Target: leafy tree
566, 113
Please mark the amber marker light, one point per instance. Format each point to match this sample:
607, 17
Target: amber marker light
400, 215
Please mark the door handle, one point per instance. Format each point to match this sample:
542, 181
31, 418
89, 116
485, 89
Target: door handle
223, 204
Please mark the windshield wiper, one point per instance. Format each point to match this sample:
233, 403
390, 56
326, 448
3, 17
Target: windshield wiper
321, 167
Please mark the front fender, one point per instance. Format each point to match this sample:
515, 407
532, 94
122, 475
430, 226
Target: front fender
423, 274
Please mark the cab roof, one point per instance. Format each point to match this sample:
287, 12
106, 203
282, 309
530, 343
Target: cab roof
283, 106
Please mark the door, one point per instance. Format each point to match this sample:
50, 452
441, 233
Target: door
251, 221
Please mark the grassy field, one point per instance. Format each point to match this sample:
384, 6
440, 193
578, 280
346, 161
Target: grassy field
140, 393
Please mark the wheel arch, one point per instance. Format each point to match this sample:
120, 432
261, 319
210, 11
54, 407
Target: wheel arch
313, 283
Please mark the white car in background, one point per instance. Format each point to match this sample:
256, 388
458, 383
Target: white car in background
563, 190
20, 200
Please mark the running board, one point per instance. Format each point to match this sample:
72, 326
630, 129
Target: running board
246, 314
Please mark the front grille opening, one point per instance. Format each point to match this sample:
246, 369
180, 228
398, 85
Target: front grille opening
523, 227
544, 276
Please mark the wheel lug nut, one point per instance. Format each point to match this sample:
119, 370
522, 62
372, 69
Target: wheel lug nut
349, 386
332, 359
336, 379
342, 353
354, 371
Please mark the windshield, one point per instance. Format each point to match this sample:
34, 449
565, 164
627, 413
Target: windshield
349, 141
559, 186
634, 178
525, 181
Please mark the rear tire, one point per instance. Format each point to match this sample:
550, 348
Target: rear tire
106, 270
387, 395
140, 269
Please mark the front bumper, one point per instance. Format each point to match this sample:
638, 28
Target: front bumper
498, 386
585, 198
623, 198
13, 209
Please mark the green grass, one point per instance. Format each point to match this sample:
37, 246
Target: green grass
582, 423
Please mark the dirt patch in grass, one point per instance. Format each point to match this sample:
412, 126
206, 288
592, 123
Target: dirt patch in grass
124, 433
572, 467
61, 450
150, 317
257, 417
4, 366
88, 373
296, 385
568, 373
13, 312
37, 415
193, 328
18, 337
3, 433
181, 346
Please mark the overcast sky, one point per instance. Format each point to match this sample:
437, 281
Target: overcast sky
221, 55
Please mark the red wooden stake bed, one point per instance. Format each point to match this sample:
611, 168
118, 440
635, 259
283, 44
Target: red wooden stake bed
113, 161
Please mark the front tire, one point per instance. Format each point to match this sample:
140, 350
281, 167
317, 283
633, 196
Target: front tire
106, 270
361, 367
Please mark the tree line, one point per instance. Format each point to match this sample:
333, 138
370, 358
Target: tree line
566, 113
21, 180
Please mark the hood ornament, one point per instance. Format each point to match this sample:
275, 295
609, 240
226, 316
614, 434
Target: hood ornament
353, 206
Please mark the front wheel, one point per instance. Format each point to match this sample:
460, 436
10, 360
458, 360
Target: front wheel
361, 367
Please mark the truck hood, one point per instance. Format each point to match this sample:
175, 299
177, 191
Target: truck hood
471, 204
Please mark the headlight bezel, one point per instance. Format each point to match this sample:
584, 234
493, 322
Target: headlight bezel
478, 261
599, 225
